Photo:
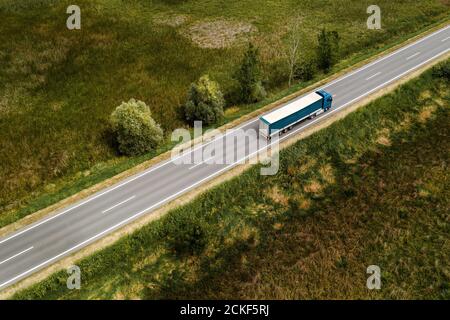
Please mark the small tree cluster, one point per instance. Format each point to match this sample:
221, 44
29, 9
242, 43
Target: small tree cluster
136, 131
304, 68
249, 77
205, 102
328, 49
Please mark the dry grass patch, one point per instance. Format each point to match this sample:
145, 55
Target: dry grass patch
218, 34
426, 113
231, 110
439, 101
306, 165
313, 187
302, 202
278, 196
383, 137
327, 173
425, 95
148, 260
174, 20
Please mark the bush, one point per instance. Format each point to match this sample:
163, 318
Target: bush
328, 49
304, 71
442, 71
187, 236
136, 131
205, 102
249, 77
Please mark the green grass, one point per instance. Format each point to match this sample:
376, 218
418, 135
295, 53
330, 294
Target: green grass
58, 87
373, 188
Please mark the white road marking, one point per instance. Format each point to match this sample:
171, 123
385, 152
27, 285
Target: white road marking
17, 254
196, 165
415, 54
373, 76
203, 145
443, 40
116, 205
212, 175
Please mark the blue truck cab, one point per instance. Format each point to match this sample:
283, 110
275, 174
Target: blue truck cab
282, 119
327, 99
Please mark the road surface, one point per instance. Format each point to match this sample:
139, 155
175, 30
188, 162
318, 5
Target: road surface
42, 243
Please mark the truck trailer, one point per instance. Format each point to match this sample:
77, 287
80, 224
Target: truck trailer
282, 119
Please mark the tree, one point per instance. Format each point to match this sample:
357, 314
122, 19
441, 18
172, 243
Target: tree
136, 131
293, 48
249, 77
205, 102
327, 50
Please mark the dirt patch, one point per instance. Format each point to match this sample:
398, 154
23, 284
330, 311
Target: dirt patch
218, 34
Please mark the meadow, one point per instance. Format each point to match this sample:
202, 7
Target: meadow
58, 87
370, 189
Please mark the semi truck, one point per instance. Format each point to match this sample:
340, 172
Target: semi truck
284, 118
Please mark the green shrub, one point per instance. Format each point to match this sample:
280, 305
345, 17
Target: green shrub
136, 131
187, 236
328, 49
442, 71
249, 77
304, 71
205, 102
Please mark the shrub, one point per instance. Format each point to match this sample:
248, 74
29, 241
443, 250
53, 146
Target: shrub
205, 102
187, 236
328, 49
442, 71
304, 71
136, 131
249, 77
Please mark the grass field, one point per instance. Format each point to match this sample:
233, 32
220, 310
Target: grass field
58, 87
373, 188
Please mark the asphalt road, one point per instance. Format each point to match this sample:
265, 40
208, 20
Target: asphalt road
42, 243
